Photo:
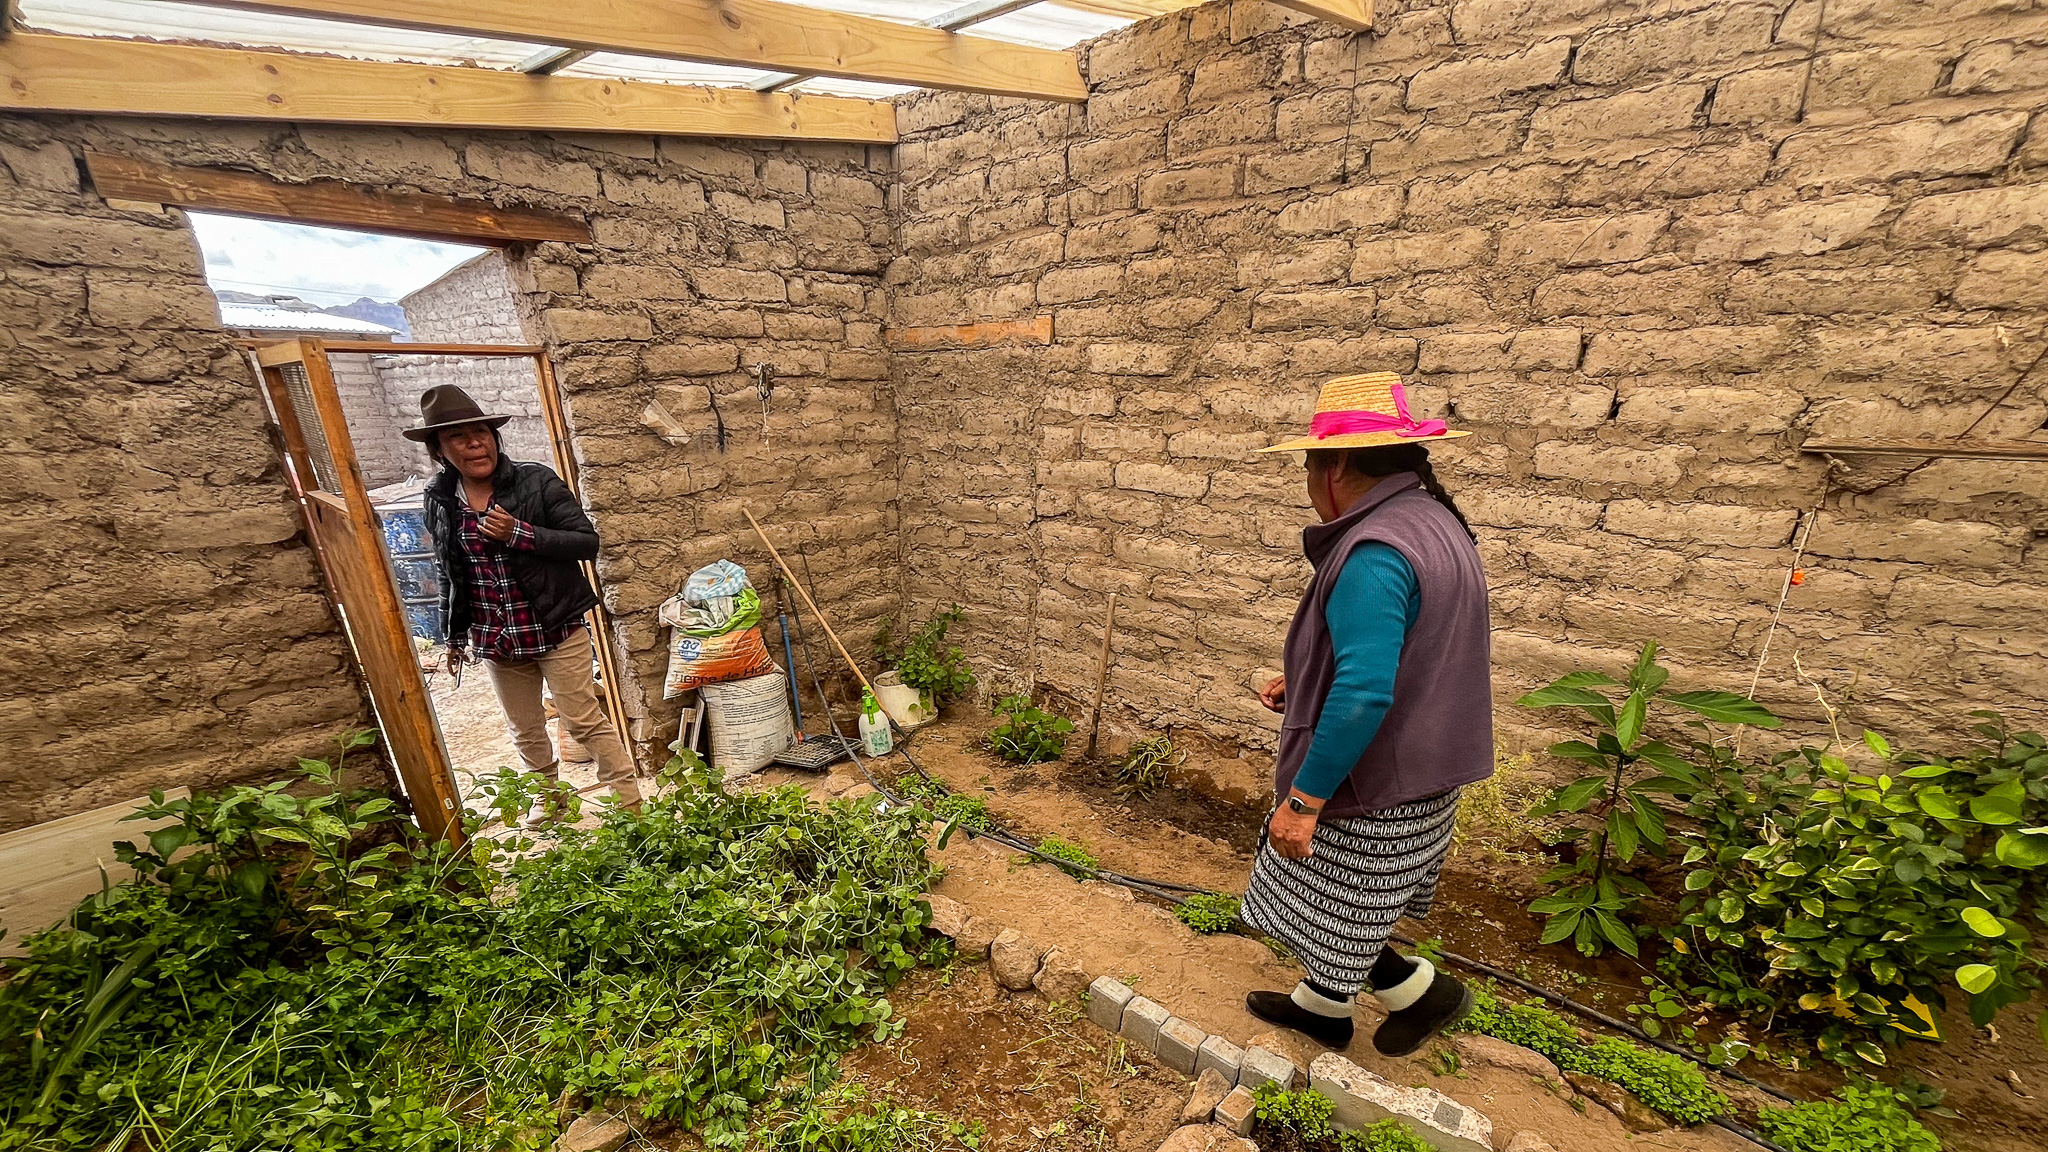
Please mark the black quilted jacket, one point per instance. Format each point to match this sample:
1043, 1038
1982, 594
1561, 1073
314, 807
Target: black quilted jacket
547, 574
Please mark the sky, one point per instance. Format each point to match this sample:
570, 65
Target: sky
320, 265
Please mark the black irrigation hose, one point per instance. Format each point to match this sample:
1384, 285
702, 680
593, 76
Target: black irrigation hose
1160, 889
1622, 1026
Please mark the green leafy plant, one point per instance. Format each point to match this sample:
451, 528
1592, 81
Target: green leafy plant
1028, 735
1071, 853
1306, 1114
1595, 900
302, 968
1853, 894
1863, 1118
924, 661
1666, 1083
970, 812
1208, 912
1663, 1003
1144, 768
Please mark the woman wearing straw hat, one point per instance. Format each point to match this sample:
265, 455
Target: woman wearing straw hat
1388, 713
509, 537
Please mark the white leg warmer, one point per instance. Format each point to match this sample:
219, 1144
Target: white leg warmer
1309, 1000
1407, 991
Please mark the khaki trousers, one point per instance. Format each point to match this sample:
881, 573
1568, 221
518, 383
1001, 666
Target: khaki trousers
565, 671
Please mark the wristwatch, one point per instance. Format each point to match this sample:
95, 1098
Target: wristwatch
1295, 805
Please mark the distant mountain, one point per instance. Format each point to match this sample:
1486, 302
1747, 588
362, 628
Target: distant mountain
364, 308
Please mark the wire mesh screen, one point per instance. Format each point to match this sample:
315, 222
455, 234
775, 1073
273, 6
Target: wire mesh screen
300, 389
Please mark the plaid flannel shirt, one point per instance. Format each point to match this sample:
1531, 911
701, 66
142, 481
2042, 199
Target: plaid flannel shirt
503, 626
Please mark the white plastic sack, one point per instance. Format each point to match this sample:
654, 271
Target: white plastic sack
750, 722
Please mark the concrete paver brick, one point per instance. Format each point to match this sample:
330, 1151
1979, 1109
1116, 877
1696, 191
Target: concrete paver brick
1107, 998
1141, 1022
1177, 1044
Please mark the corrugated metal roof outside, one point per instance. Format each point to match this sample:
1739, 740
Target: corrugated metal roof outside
271, 318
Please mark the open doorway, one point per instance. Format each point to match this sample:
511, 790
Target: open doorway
385, 319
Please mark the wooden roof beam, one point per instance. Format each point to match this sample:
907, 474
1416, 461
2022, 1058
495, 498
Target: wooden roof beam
951, 20
41, 73
1356, 14
327, 202
763, 33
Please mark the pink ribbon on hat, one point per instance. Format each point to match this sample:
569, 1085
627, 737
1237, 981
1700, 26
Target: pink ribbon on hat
1326, 424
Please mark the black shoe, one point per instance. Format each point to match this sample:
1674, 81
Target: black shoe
1280, 1008
1446, 1003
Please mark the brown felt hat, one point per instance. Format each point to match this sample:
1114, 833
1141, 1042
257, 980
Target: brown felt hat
446, 406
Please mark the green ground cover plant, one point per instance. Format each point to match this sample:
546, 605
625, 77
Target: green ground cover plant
1208, 912
1863, 1118
969, 812
1668, 1084
300, 968
1304, 1117
924, 660
1028, 734
1071, 853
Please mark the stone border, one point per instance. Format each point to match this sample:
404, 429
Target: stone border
1361, 1097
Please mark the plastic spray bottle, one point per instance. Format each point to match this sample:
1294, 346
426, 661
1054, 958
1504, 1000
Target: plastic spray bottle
874, 726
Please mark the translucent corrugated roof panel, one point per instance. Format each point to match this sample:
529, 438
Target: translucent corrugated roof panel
1044, 25
157, 20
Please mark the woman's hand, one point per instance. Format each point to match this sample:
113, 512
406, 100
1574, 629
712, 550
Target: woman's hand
498, 524
1291, 833
1274, 694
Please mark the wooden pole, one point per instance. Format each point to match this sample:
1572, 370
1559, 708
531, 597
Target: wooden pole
556, 417
1101, 676
808, 602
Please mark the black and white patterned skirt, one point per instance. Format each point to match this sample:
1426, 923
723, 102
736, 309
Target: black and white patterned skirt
1335, 909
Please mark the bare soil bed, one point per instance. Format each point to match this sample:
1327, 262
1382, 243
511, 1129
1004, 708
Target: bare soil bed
1033, 1074
1192, 834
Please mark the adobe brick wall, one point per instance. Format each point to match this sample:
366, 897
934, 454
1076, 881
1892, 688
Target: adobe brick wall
384, 455
1632, 246
166, 625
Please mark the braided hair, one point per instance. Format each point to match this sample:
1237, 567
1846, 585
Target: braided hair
1387, 459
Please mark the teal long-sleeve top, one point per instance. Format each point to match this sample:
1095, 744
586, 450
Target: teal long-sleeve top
1370, 610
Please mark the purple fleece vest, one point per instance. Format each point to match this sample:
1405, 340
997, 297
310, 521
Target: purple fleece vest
1439, 732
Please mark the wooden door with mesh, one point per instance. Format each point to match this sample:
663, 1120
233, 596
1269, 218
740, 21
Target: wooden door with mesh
350, 545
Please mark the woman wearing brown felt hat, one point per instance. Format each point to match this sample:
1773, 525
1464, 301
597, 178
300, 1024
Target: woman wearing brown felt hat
510, 538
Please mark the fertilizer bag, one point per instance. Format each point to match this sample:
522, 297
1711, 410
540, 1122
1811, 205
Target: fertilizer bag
749, 721
713, 635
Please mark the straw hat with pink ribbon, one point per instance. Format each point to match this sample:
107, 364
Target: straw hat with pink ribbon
1364, 411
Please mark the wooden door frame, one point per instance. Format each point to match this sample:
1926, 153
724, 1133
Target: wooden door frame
378, 635
555, 417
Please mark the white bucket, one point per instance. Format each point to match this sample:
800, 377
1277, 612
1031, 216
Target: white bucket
904, 704
749, 722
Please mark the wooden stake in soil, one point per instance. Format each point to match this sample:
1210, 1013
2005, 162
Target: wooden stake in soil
808, 602
1101, 676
